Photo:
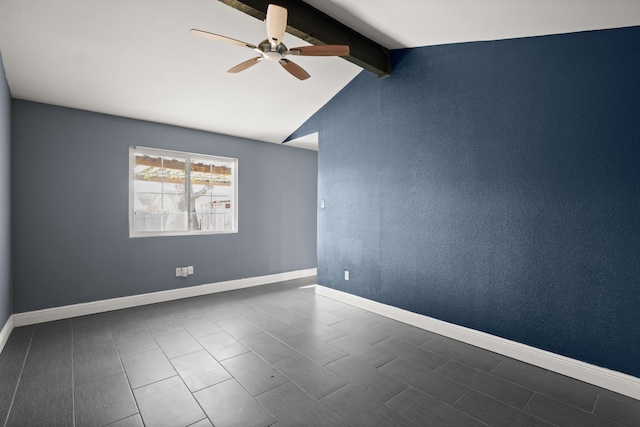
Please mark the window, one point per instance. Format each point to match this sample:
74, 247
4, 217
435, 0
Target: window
174, 193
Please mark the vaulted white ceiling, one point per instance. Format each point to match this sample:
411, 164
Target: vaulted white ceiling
137, 59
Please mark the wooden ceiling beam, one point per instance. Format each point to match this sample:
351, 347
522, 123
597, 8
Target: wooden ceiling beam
318, 28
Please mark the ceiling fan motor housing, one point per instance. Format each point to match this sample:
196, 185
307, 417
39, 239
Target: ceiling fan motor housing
269, 53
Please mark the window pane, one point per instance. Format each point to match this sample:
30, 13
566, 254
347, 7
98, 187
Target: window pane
211, 184
173, 203
180, 192
175, 221
147, 221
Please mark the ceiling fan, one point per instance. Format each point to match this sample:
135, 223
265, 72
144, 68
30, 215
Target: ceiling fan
272, 49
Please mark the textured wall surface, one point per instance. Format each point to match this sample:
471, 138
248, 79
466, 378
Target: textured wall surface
494, 185
5, 199
70, 210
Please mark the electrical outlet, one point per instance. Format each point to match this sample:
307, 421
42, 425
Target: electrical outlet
190, 270
321, 204
185, 271
346, 275
178, 271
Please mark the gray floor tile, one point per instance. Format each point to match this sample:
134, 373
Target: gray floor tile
567, 392
328, 304
619, 397
404, 332
422, 378
229, 404
218, 313
91, 322
495, 413
499, 389
256, 375
36, 402
64, 420
12, 360
278, 311
8, 387
360, 316
316, 380
411, 353
126, 320
593, 388
222, 346
294, 303
90, 342
239, 327
147, 367
377, 385
363, 351
200, 326
251, 313
162, 323
103, 361
358, 331
563, 415
316, 350
134, 341
293, 407
465, 353
278, 328
104, 401
81, 336
132, 421
361, 410
318, 330
269, 348
53, 325
617, 411
428, 411
48, 340
322, 316
20, 335
177, 343
202, 423
48, 367
199, 370
168, 403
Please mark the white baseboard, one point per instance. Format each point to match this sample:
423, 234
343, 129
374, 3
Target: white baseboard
602, 377
75, 310
6, 331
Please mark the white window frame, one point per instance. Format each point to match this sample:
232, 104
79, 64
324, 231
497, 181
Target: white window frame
188, 157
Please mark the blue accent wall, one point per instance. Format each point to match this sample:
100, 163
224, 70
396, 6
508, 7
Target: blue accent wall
70, 190
5, 199
494, 185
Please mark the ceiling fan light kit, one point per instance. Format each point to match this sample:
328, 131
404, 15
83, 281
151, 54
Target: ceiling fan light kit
272, 49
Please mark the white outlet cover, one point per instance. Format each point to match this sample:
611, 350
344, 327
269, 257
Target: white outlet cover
346, 275
190, 269
178, 271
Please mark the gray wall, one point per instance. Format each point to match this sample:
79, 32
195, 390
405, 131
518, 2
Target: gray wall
494, 185
71, 167
5, 199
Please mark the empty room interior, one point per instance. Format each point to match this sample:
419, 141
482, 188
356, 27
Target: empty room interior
321, 213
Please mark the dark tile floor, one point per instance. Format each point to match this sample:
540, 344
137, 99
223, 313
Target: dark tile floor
277, 355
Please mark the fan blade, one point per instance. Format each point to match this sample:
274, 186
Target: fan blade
276, 24
294, 69
220, 38
321, 50
244, 65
